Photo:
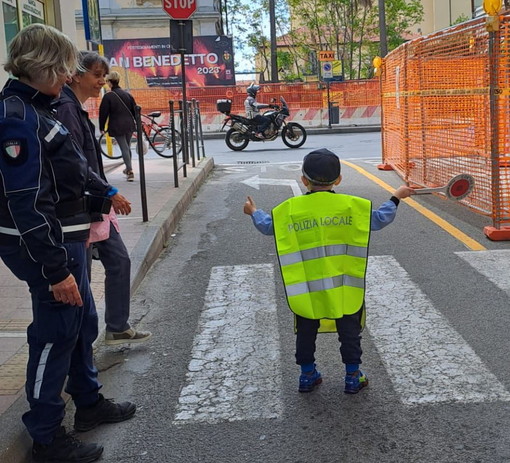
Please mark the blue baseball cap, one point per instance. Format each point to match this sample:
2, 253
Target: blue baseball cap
321, 167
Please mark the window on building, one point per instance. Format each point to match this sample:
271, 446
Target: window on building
11, 23
32, 12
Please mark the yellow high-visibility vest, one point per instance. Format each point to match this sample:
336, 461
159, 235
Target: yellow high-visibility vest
322, 244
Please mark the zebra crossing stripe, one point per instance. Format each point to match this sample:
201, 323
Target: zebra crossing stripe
426, 359
235, 371
486, 261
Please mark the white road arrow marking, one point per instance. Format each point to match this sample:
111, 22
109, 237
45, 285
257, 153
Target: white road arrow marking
256, 181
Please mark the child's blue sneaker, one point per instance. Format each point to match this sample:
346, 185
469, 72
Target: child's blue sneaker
308, 381
354, 382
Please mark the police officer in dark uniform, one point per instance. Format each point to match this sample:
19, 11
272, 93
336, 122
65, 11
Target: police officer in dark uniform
44, 224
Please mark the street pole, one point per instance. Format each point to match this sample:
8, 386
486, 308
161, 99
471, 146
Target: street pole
383, 41
329, 105
274, 60
184, 114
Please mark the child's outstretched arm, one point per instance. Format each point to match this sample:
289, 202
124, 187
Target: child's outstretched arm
388, 210
263, 222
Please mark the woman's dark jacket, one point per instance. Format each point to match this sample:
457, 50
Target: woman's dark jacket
118, 108
70, 112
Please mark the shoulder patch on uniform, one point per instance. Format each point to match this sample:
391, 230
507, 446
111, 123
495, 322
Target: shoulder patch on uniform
15, 151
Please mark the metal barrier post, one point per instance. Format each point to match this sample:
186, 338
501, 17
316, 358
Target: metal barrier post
139, 144
494, 118
200, 138
384, 165
423, 117
174, 144
184, 131
184, 139
189, 106
405, 99
329, 104
195, 125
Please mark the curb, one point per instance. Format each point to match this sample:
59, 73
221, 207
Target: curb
158, 231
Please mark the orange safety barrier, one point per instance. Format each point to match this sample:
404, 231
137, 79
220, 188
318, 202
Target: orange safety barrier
446, 111
358, 101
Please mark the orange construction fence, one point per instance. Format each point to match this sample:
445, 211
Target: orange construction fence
356, 101
446, 111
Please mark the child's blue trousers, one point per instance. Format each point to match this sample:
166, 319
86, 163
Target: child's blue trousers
349, 335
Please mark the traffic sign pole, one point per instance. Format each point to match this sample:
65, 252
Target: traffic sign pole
329, 105
182, 10
184, 131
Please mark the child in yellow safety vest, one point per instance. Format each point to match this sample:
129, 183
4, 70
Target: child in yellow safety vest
319, 233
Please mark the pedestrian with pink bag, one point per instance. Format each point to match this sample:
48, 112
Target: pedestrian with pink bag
105, 236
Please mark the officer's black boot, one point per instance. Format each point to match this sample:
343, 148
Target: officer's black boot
66, 448
104, 411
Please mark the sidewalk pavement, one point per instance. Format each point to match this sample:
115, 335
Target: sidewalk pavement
144, 241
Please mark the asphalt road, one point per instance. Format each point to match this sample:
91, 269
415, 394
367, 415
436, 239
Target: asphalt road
218, 383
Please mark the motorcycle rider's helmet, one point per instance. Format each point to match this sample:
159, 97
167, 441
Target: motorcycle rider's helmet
252, 90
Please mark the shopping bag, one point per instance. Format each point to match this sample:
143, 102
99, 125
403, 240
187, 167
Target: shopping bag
100, 231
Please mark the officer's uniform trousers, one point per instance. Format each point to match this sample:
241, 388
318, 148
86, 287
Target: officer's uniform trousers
117, 264
60, 341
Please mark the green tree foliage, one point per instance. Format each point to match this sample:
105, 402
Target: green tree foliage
348, 27
461, 19
244, 21
305, 27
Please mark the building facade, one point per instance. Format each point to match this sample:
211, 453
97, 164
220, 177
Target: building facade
140, 19
440, 14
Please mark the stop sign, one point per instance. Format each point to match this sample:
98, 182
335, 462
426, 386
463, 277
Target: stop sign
180, 9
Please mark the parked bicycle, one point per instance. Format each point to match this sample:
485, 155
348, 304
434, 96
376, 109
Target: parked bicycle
158, 136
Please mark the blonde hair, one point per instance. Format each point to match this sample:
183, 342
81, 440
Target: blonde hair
41, 53
113, 77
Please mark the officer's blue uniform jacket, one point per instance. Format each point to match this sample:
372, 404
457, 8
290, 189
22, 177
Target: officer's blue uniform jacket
43, 177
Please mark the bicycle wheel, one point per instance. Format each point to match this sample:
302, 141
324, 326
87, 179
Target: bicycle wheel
116, 153
162, 142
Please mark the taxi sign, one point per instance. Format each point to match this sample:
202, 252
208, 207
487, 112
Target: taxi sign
326, 55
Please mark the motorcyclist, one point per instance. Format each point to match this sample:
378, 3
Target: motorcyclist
252, 108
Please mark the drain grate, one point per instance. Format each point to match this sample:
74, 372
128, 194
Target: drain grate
253, 162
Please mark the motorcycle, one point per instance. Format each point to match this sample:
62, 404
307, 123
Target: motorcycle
243, 130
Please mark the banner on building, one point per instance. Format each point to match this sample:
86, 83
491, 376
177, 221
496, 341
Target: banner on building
150, 62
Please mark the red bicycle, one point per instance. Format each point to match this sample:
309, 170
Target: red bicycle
158, 136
